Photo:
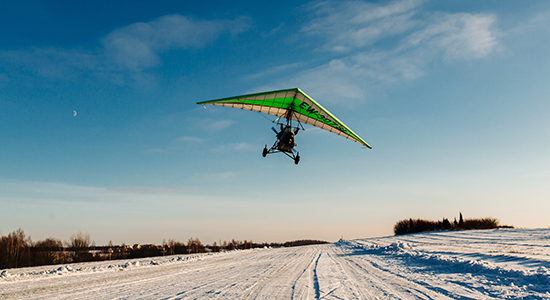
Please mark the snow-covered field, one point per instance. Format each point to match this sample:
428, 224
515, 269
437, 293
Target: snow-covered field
484, 264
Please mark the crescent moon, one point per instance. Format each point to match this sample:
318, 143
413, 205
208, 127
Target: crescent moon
74, 113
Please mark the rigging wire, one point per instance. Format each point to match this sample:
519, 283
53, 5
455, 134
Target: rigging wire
263, 115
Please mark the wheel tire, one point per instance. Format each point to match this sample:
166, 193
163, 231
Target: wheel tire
297, 159
264, 153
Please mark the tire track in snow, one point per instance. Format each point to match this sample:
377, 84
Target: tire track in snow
426, 266
316, 278
385, 277
283, 282
448, 278
211, 281
365, 281
87, 285
386, 285
309, 274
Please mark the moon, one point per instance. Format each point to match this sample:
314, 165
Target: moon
74, 113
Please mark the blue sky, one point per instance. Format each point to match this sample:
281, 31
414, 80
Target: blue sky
453, 97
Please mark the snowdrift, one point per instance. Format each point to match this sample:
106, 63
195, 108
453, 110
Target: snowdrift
479, 264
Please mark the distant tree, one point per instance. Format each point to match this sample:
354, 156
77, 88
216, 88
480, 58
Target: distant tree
180, 248
149, 250
419, 225
402, 227
15, 250
233, 244
416, 225
297, 243
80, 243
484, 223
446, 224
109, 251
171, 247
215, 247
195, 246
48, 252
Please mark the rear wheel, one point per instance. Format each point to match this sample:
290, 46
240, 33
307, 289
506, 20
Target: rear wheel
297, 159
264, 153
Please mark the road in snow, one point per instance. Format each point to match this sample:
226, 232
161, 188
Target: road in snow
484, 264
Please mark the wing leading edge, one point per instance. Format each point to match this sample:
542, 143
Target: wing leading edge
277, 103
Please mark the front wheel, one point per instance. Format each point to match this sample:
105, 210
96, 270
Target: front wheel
297, 159
264, 153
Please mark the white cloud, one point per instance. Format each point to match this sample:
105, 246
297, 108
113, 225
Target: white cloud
218, 125
234, 147
240, 146
373, 44
127, 51
140, 45
459, 36
189, 139
356, 24
273, 71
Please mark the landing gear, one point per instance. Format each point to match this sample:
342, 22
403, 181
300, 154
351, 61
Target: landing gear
292, 154
285, 142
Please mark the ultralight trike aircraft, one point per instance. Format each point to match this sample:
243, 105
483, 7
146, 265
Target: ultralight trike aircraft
292, 105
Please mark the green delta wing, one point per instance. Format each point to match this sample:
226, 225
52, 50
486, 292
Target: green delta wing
277, 103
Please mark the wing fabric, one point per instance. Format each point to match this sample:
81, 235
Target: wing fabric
277, 103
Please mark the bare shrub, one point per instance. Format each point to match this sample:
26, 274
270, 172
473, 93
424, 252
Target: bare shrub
419, 225
195, 246
485, 223
80, 243
15, 250
416, 225
48, 252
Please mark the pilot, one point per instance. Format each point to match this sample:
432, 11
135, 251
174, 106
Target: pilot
287, 140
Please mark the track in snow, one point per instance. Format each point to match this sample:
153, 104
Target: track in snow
494, 264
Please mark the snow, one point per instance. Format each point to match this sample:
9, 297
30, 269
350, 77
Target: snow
480, 264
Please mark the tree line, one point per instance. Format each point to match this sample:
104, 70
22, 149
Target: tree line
420, 225
17, 250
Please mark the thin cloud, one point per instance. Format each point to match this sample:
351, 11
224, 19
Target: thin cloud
49, 63
217, 177
39, 193
144, 190
459, 36
189, 139
126, 52
240, 146
218, 125
234, 147
355, 24
373, 44
140, 45
49, 191
154, 150
268, 72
